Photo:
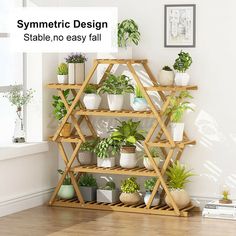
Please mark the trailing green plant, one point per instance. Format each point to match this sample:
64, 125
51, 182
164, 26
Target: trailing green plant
67, 180
178, 176
76, 58
89, 145
62, 69
183, 62
110, 185
128, 133
178, 106
167, 68
150, 183
155, 152
119, 84
129, 185
87, 180
91, 89
138, 92
127, 33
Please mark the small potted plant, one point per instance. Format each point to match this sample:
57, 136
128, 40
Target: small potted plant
166, 76
106, 149
62, 73
76, 66
128, 134
181, 65
139, 103
88, 187
109, 193
178, 105
178, 177
225, 191
149, 185
116, 87
130, 194
91, 98
66, 190
156, 155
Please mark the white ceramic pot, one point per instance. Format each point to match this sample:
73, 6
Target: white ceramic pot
166, 78
85, 157
76, 73
66, 192
155, 201
177, 130
180, 197
106, 162
62, 79
139, 104
147, 163
92, 101
115, 101
182, 79
130, 198
128, 159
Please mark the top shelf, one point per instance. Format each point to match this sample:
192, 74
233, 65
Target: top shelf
121, 61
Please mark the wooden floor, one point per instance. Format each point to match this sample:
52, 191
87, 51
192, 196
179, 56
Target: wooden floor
67, 221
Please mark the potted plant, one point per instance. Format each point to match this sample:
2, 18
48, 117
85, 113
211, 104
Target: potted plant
139, 103
62, 73
106, 149
130, 194
109, 193
76, 65
91, 98
182, 63
178, 105
178, 177
128, 134
88, 187
166, 76
116, 87
156, 155
66, 190
149, 185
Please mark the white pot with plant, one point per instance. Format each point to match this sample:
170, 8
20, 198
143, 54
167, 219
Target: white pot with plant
76, 68
166, 76
178, 177
130, 194
62, 73
116, 87
139, 103
156, 156
149, 186
182, 64
178, 105
88, 187
91, 98
108, 194
127, 135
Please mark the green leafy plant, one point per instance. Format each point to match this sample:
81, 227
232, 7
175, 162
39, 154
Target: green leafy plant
129, 185
166, 68
87, 180
127, 133
178, 106
138, 92
76, 58
225, 194
116, 85
89, 145
127, 33
178, 176
90, 89
150, 183
110, 185
67, 180
183, 62
62, 69
156, 152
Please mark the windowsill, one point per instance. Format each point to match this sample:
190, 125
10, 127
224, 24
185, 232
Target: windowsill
16, 150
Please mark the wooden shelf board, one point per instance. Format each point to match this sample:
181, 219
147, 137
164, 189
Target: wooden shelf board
121, 61
71, 139
64, 86
171, 88
165, 143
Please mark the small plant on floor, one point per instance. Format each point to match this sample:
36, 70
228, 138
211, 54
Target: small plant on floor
150, 183
129, 185
67, 180
167, 68
62, 69
91, 89
183, 62
110, 185
87, 180
76, 58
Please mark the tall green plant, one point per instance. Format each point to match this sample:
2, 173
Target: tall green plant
183, 62
129, 185
138, 92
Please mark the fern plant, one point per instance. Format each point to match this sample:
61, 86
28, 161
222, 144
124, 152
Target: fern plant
90, 89
87, 180
129, 185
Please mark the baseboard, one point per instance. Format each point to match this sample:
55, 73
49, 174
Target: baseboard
24, 202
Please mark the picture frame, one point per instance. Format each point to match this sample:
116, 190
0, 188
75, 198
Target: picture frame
180, 25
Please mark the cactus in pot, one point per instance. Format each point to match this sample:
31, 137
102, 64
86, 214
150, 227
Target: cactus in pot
62, 73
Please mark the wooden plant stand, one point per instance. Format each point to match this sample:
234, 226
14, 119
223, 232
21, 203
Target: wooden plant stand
172, 150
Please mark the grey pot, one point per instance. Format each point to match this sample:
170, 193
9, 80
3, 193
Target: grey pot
88, 193
108, 196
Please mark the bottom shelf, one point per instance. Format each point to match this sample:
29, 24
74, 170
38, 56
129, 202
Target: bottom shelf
138, 208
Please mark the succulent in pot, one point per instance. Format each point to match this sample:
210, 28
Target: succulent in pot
149, 186
130, 194
116, 86
139, 103
178, 177
156, 155
108, 193
91, 98
62, 73
166, 76
181, 65
128, 134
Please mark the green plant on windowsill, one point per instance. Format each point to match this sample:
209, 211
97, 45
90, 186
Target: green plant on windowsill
62, 69
87, 180
129, 185
183, 62
150, 183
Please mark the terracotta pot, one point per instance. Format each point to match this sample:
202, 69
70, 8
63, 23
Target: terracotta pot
180, 197
66, 130
130, 198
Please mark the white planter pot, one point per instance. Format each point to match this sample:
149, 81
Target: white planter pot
66, 192
92, 101
155, 201
139, 104
85, 157
147, 163
123, 53
62, 79
106, 162
76, 73
128, 160
130, 198
180, 197
181, 79
177, 130
166, 78
115, 101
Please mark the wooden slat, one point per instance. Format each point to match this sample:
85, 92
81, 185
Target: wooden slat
171, 88
165, 143
64, 86
120, 61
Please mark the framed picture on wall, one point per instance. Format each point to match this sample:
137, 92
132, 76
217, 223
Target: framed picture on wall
180, 25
